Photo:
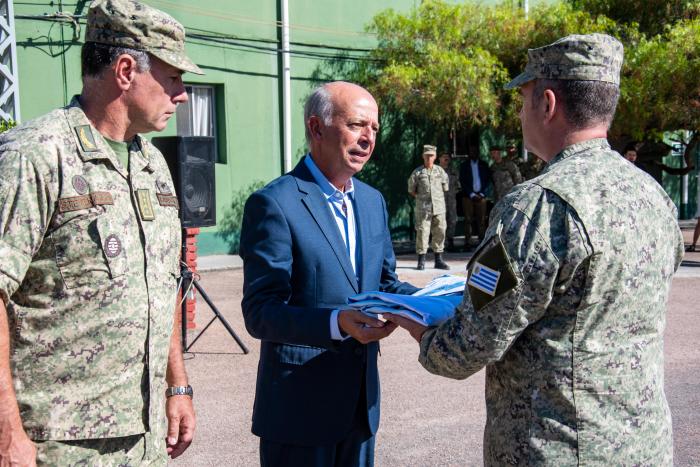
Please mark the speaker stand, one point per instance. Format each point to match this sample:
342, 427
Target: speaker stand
187, 279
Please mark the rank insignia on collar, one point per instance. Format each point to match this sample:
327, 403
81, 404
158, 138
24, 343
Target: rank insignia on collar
86, 138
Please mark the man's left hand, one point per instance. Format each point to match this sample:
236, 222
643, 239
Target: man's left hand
415, 329
181, 424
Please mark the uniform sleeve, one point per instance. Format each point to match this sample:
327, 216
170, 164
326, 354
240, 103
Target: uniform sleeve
512, 279
445, 181
26, 206
412, 182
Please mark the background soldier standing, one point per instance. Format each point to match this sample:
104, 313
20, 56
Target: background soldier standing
90, 245
428, 184
450, 199
565, 301
505, 174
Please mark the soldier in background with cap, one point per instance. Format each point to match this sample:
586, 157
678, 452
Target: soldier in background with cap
90, 245
565, 301
428, 184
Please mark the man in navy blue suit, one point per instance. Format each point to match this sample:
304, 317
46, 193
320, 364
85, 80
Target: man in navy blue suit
310, 239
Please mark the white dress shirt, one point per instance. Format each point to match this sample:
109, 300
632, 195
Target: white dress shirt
476, 180
344, 219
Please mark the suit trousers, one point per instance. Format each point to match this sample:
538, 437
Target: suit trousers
474, 212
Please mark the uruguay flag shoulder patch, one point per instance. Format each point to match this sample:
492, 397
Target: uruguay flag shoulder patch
484, 278
491, 274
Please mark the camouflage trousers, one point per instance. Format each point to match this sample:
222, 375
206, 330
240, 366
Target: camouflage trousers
426, 224
451, 216
127, 451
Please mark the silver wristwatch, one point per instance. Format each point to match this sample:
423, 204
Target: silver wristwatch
179, 391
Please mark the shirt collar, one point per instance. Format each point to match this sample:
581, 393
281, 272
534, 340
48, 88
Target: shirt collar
328, 189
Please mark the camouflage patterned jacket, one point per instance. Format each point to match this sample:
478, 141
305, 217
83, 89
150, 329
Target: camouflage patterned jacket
505, 176
429, 186
89, 281
565, 306
453, 177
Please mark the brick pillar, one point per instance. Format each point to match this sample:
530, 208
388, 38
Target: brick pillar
190, 240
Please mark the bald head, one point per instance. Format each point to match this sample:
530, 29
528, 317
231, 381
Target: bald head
324, 101
341, 129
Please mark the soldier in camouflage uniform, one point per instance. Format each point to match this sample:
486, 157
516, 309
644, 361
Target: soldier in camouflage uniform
565, 301
450, 199
504, 173
90, 243
428, 184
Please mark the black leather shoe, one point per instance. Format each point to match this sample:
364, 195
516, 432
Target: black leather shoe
421, 262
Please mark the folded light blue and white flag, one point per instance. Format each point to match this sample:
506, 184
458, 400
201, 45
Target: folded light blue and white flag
430, 306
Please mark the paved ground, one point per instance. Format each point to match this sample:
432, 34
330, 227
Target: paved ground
426, 420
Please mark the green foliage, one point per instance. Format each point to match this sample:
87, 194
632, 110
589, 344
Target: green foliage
6, 125
651, 17
447, 64
230, 225
660, 89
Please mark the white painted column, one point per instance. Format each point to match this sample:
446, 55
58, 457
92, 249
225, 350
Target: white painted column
286, 89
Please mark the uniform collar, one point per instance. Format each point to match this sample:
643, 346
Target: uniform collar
569, 151
92, 145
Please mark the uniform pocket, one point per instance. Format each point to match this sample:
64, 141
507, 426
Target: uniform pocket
89, 251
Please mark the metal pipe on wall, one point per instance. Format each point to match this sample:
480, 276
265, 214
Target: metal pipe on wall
286, 89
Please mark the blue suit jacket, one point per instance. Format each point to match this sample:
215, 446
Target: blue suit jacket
467, 181
296, 271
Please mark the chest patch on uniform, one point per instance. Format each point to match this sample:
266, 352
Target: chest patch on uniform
112, 246
167, 200
162, 187
490, 274
76, 203
86, 138
145, 206
80, 184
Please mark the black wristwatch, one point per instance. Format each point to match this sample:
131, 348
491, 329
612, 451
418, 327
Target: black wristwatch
179, 391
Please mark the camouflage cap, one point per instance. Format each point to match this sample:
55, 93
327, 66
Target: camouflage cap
429, 149
590, 57
132, 24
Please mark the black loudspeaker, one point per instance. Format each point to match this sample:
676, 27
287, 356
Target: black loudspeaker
191, 160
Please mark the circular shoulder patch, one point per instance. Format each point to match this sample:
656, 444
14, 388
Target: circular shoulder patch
112, 246
80, 184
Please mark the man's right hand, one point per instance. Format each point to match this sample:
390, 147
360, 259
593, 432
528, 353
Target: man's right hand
16, 449
364, 328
